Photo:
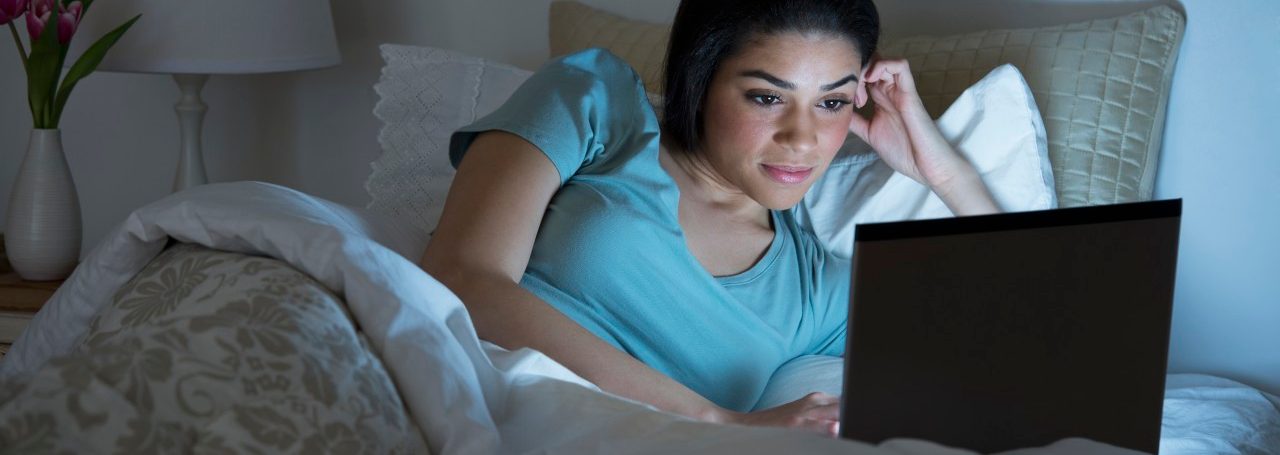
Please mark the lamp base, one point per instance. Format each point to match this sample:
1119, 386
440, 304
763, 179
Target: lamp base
191, 111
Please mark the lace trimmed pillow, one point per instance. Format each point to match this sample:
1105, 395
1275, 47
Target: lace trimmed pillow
425, 95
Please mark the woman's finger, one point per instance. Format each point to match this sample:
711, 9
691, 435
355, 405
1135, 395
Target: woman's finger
897, 71
860, 93
860, 126
829, 411
880, 94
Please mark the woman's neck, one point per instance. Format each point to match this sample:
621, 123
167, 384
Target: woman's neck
707, 190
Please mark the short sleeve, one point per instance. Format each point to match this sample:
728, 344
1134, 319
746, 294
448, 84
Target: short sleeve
577, 109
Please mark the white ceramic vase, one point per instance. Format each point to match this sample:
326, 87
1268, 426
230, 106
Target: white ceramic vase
42, 226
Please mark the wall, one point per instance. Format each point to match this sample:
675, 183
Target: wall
314, 131
1222, 157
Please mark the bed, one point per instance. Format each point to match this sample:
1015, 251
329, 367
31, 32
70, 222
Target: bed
249, 317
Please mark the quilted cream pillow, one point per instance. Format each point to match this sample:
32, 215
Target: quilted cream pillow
643, 45
1101, 85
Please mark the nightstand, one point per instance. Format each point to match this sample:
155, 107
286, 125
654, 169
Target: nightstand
19, 300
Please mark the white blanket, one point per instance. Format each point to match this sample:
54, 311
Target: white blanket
467, 396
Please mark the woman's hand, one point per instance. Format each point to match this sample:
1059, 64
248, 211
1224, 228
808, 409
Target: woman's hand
816, 412
900, 130
905, 137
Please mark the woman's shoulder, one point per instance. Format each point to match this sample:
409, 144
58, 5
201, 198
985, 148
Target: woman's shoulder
593, 60
595, 63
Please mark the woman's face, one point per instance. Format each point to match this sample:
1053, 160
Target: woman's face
776, 113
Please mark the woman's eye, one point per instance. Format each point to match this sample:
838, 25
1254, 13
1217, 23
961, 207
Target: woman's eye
834, 105
767, 100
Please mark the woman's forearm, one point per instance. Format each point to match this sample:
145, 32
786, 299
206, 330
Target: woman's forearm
955, 180
511, 317
966, 194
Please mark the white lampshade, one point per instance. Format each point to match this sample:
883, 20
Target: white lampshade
213, 36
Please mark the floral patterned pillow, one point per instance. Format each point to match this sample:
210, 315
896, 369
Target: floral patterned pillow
212, 352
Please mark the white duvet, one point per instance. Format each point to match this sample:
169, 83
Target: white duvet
466, 396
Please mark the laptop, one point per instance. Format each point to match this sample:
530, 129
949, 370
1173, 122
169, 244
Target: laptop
1006, 331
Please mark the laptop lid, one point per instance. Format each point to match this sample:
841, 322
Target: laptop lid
1014, 330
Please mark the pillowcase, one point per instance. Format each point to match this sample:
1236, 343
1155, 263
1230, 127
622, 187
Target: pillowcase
574, 27
1102, 85
994, 124
425, 94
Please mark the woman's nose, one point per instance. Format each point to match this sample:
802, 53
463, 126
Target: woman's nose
798, 132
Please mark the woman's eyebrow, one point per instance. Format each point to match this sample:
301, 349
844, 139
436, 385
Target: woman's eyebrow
761, 74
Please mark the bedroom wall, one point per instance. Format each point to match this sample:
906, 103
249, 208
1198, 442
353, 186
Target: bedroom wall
314, 131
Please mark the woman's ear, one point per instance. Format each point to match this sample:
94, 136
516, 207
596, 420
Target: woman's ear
860, 93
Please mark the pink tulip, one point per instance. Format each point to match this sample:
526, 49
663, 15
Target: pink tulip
41, 11
68, 20
37, 15
11, 9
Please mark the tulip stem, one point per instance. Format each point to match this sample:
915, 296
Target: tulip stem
17, 41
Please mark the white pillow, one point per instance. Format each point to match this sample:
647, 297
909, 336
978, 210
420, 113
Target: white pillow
425, 94
995, 125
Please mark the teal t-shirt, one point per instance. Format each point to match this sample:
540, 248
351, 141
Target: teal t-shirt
610, 253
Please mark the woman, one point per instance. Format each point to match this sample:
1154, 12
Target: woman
661, 260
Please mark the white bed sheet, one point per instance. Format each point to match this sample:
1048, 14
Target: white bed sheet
1202, 414
1207, 414
466, 396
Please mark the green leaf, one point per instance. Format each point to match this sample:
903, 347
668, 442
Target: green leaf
86, 64
43, 68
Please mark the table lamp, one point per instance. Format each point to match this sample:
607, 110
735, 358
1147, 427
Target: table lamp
192, 39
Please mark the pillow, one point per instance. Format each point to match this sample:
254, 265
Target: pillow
574, 27
994, 124
424, 95
1102, 85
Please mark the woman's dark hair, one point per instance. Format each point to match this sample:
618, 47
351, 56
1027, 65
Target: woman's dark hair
706, 32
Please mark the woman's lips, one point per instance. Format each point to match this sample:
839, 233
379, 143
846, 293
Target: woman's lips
787, 174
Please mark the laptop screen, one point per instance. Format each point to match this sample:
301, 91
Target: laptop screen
1014, 330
